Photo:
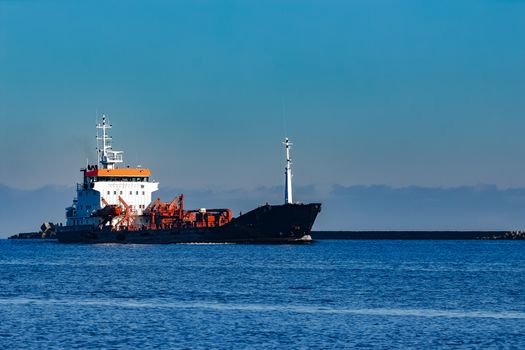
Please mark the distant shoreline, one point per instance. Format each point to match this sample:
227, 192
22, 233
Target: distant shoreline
374, 235
420, 235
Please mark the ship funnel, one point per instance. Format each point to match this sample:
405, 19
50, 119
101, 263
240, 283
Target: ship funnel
288, 197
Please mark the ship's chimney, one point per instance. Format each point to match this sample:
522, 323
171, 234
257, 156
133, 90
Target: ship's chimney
288, 198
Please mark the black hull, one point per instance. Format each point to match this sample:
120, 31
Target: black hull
289, 223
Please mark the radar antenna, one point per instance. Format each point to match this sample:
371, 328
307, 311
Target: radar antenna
107, 157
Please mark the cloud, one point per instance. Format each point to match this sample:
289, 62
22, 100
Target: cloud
377, 207
25, 211
422, 208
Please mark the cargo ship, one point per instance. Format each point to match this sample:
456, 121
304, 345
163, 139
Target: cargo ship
114, 204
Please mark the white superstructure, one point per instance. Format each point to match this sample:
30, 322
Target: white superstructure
106, 184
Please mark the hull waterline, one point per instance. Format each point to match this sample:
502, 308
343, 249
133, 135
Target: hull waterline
269, 224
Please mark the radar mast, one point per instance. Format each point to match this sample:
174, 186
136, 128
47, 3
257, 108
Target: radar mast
288, 198
107, 157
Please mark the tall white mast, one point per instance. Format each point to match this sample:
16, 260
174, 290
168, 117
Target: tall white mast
288, 198
107, 157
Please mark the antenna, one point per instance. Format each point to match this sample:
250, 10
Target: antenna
96, 147
288, 197
107, 157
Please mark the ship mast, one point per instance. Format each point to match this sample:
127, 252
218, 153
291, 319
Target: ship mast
288, 198
107, 157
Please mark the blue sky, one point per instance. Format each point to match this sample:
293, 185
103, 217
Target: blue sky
401, 93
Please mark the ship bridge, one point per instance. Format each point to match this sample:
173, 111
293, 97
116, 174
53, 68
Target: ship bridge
106, 184
125, 174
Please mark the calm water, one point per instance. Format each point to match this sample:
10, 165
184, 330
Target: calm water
332, 294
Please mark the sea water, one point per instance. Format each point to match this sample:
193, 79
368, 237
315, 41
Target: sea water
330, 294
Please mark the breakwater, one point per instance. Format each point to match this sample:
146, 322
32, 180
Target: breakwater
370, 235
420, 235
